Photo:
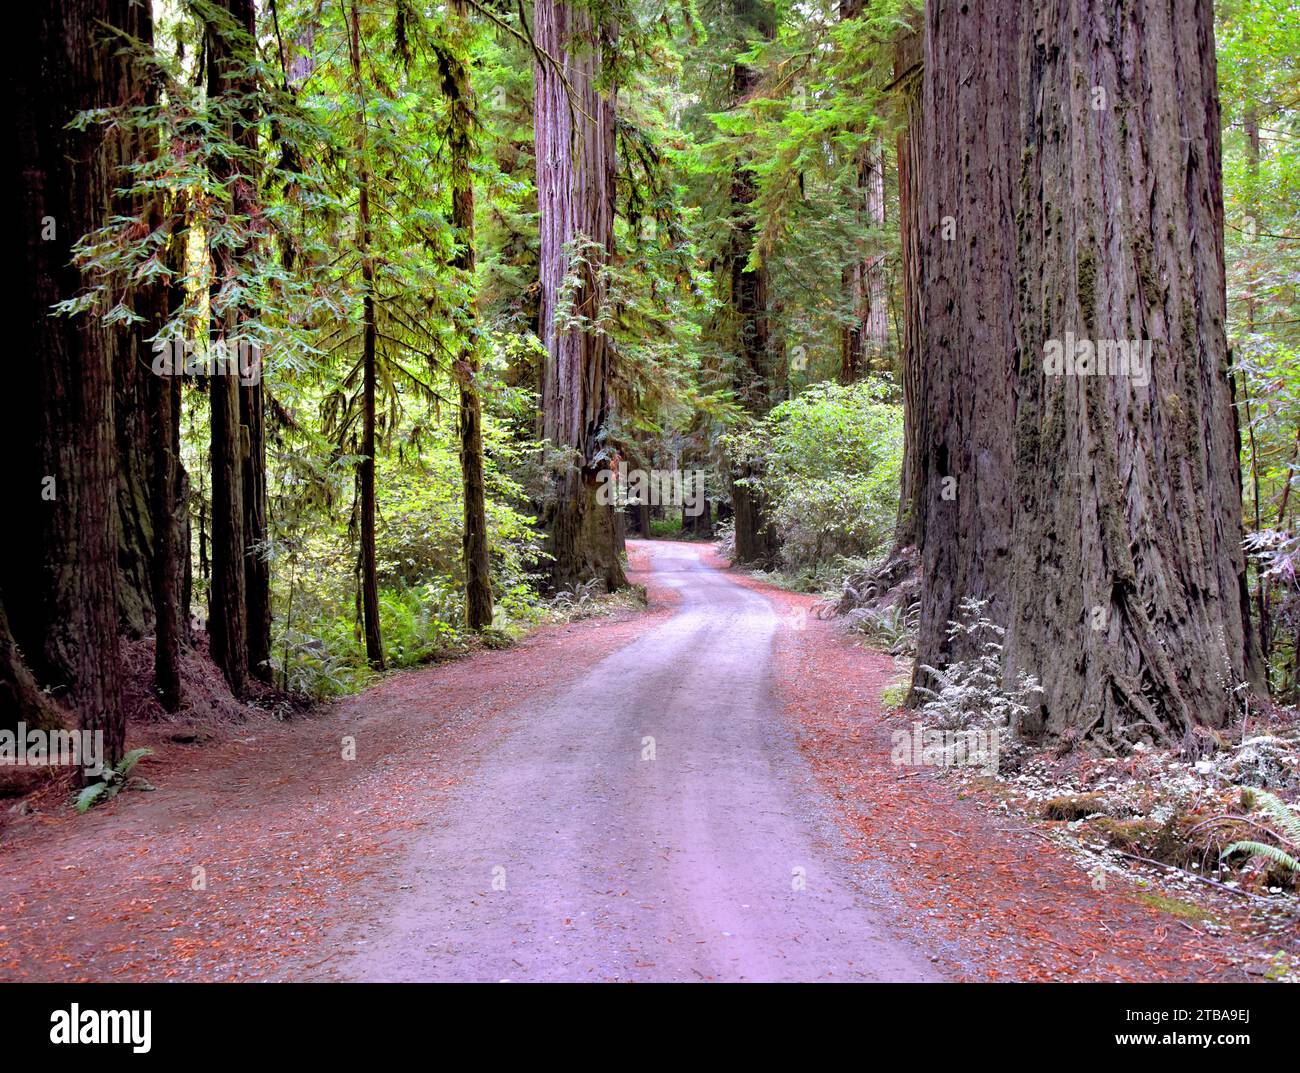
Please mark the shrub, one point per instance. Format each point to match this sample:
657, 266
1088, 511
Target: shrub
827, 462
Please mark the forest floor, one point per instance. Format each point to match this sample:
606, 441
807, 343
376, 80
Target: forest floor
503, 819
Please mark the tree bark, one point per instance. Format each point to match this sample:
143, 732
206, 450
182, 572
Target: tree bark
171, 543
756, 540
575, 196
21, 698
476, 557
59, 574
864, 340
962, 354
911, 144
257, 565
228, 607
1129, 586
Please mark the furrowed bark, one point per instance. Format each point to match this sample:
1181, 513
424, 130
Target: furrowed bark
961, 366
1129, 586
60, 572
228, 608
575, 196
755, 380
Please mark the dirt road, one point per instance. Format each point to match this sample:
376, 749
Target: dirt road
499, 817
655, 821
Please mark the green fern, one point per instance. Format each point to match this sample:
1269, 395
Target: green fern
1262, 849
1285, 818
112, 783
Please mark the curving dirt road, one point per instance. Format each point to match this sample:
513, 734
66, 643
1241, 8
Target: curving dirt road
654, 821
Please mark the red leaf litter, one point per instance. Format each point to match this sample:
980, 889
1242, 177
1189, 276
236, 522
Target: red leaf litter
984, 890
293, 841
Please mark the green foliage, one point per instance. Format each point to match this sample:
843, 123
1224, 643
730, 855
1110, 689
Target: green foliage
668, 527
1280, 820
112, 782
828, 463
1258, 52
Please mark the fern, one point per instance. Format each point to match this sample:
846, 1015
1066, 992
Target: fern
113, 782
1285, 818
1263, 849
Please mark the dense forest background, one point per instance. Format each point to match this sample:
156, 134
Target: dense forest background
335, 312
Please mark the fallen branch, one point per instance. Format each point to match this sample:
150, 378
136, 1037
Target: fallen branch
1204, 879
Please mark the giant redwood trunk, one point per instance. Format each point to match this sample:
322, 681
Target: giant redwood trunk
459, 91
962, 343
252, 419
56, 413
1128, 590
575, 197
170, 509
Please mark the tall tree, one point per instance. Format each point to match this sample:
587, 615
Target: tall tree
962, 360
755, 379
864, 340
369, 359
574, 136
459, 90
229, 36
1128, 593
59, 575
910, 148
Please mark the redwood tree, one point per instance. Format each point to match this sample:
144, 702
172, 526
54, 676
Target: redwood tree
227, 37
960, 183
866, 335
1128, 591
755, 379
574, 135
59, 574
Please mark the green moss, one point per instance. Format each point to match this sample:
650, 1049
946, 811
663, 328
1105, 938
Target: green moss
1073, 806
894, 695
1086, 283
1175, 907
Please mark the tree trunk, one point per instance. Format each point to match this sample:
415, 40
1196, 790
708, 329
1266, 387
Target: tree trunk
21, 698
575, 197
908, 75
257, 565
459, 91
366, 472
59, 574
864, 340
171, 531
962, 356
1129, 590
228, 607
163, 473
756, 540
